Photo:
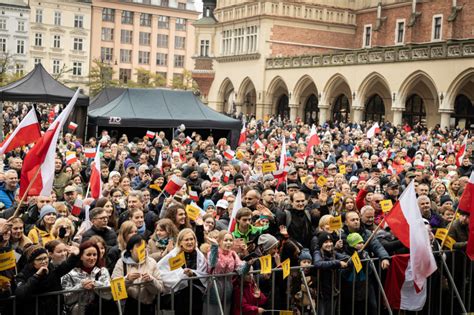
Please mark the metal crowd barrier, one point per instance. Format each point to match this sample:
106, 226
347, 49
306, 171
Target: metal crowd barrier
449, 291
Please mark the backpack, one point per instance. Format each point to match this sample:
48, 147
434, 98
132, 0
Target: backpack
288, 217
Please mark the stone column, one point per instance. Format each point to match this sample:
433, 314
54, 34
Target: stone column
397, 115
358, 113
323, 113
238, 108
445, 117
293, 112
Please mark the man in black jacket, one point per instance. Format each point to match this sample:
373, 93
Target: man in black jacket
99, 219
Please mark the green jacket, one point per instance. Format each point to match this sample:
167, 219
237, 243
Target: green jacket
252, 233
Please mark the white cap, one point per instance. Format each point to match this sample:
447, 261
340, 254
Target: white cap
222, 204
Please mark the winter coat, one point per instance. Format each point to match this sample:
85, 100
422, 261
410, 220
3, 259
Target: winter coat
147, 291
327, 262
78, 301
374, 246
39, 236
7, 197
109, 235
29, 285
250, 303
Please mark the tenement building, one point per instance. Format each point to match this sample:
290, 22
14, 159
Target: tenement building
156, 36
359, 60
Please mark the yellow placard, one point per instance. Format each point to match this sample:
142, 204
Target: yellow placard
285, 266
269, 167
386, 205
177, 261
265, 264
239, 155
286, 312
141, 251
449, 242
321, 181
335, 223
4, 279
441, 234
303, 179
356, 261
119, 290
7, 260
192, 212
342, 169
337, 197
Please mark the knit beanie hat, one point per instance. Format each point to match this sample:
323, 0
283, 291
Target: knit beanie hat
353, 239
267, 242
207, 203
305, 255
47, 209
323, 237
34, 251
445, 198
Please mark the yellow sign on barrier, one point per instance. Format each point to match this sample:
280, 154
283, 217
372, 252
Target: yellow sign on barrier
356, 260
265, 264
177, 261
119, 290
285, 266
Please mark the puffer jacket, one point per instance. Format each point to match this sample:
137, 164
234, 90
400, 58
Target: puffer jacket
39, 236
148, 290
73, 281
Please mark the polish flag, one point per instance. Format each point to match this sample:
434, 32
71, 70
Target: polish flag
407, 225
258, 145
72, 126
28, 131
71, 157
466, 203
243, 135
188, 140
42, 156
159, 165
89, 153
237, 206
283, 159
461, 152
150, 134
373, 130
229, 154
96, 180
282, 168
226, 177
400, 288
174, 185
77, 207
193, 195
313, 141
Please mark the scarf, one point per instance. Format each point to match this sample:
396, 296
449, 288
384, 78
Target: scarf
141, 230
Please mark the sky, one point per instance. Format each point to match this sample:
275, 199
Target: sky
198, 5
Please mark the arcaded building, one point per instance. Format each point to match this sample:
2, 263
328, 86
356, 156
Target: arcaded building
320, 60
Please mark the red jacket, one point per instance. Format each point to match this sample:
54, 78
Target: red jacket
250, 303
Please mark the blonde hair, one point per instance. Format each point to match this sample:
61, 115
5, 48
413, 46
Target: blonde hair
182, 234
60, 222
325, 220
125, 229
221, 235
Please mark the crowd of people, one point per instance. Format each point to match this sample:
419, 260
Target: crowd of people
62, 244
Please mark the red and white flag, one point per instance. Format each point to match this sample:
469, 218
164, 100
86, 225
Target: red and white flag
283, 159
373, 130
313, 141
77, 207
243, 135
42, 156
150, 134
466, 203
407, 225
226, 177
237, 206
188, 140
71, 157
258, 145
174, 185
193, 195
159, 165
229, 154
96, 180
89, 153
461, 152
400, 288
72, 126
28, 131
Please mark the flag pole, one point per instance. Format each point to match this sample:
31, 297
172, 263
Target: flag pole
372, 235
449, 226
15, 214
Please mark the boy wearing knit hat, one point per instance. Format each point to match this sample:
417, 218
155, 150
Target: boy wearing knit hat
304, 300
355, 241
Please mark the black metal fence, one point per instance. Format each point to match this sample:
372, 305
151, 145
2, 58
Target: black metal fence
306, 291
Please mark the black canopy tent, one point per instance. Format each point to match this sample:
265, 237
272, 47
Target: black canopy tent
39, 86
157, 109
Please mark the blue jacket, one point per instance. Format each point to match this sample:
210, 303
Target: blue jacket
7, 197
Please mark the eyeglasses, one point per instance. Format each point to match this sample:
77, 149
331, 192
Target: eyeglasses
101, 218
41, 259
